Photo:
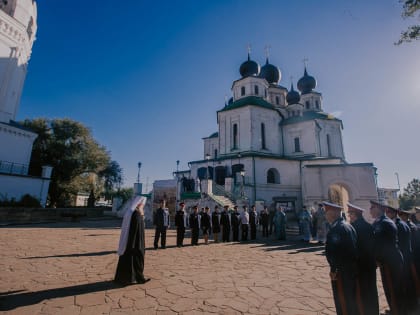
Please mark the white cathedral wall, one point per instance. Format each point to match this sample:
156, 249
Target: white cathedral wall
18, 143
271, 120
333, 129
305, 131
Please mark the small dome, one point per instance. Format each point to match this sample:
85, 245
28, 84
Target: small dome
249, 68
293, 97
270, 72
306, 83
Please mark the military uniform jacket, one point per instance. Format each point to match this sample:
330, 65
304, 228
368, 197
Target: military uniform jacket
195, 221
365, 244
386, 241
341, 247
234, 220
161, 218
404, 238
253, 218
181, 219
264, 218
215, 219
225, 219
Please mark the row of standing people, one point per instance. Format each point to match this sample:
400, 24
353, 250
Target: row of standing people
355, 250
220, 224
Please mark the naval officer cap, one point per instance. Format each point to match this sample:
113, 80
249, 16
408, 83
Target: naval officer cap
411, 211
354, 208
331, 206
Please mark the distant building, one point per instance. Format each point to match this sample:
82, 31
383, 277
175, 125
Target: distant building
17, 34
276, 146
389, 196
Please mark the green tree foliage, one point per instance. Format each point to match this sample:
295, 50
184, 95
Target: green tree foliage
410, 10
79, 162
411, 196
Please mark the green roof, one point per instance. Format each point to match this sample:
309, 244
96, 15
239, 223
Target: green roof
309, 115
246, 101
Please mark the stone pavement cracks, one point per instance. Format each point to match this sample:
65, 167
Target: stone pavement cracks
67, 268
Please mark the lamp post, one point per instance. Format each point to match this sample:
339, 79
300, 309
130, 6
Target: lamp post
398, 182
138, 174
207, 171
242, 172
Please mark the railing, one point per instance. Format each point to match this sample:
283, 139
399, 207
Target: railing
13, 168
219, 190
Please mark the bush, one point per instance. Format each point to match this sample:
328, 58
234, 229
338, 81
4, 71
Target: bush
27, 201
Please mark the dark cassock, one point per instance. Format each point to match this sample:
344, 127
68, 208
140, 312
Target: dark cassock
215, 223
181, 224
195, 223
131, 247
341, 253
388, 257
225, 224
366, 264
253, 223
235, 222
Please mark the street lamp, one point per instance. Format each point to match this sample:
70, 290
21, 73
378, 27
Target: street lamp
138, 174
398, 182
242, 172
207, 171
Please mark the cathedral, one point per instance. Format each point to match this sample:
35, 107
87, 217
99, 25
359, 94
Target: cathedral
17, 34
277, 146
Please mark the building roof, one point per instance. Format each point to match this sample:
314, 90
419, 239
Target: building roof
213, 135
309, 115
246, 101
15, 124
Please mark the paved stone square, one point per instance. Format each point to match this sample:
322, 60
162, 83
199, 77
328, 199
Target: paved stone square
67, 268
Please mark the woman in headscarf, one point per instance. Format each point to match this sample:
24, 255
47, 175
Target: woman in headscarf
132, 246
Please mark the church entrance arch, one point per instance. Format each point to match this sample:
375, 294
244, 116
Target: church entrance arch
220, 175
339, 194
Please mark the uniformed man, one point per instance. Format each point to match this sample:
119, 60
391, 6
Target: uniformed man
253, 222
404, 243
244, 219
341, 253
195, 222
161, 222
235, 222
225, 223
388, 257
264, 219
366, 265
181, 223
215, 223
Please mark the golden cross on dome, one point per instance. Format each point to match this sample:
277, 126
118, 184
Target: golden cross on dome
267, 50
305, 61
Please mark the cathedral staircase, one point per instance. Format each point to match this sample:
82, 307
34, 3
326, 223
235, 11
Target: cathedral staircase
222, 197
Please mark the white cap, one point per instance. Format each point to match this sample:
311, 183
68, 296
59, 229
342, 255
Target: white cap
332, 205
355, 207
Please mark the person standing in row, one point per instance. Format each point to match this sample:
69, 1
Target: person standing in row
235, 222
305, 219
404, 243
225, 224
264, 219
341, 253
215, 222
253, 222
366, 265
280, 221
181, 224
321, 224
388, 256
195, 225
161, 222
272, 213
131, 248
244, 219
206, 224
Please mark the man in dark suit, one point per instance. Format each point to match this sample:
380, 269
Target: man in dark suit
225, 224
235, 222
388, 257
195, 223
253, 222
161, 222
181, 223
341, 253
366, 265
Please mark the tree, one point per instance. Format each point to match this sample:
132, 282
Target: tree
411, 196
78, 161
410, 9
112, 178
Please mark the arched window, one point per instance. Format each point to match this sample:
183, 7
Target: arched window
235, 136
317, 104
242, 91
256, 90
263, 137
277, 100
297, 145
273, 176
307, 104
215, 153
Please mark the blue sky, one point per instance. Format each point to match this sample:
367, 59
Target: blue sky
147, 77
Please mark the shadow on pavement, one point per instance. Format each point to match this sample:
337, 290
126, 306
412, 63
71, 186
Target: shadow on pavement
74, 255
13, 299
